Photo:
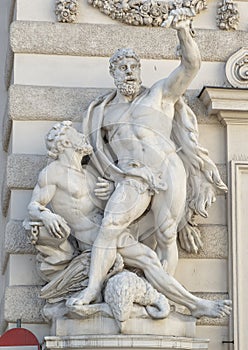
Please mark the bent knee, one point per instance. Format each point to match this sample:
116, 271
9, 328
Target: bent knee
110, 229
150, 257
113, 222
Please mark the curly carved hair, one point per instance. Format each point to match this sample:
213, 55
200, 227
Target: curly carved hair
119, 55
55, 139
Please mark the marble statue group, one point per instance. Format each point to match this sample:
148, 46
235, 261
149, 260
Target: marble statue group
108, 209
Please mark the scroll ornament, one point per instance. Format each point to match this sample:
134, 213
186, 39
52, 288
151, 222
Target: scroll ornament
145, 12
237, 69
227, 15
66, 10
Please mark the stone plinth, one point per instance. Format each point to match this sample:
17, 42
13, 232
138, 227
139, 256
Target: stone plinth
177, 324
101, 331
121, 342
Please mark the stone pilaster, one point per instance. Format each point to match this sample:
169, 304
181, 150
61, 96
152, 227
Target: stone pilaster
231, 108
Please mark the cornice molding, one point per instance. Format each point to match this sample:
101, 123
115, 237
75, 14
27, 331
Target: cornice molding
230, 105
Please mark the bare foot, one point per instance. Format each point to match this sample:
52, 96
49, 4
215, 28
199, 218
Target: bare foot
213, 309
84, 298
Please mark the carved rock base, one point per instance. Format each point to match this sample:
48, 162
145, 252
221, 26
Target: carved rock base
121, 342
175, 324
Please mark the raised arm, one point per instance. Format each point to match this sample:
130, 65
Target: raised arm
43, 193
178, 81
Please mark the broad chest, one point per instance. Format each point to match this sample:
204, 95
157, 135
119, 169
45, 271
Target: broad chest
75, 184
136, 114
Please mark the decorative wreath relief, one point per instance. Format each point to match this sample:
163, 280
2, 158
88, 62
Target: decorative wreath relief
227, 15
66, 10
145, 12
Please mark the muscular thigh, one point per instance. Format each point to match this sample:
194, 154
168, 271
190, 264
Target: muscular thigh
170, 204
126, 204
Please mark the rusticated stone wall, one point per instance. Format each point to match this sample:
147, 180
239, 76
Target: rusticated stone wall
58, 69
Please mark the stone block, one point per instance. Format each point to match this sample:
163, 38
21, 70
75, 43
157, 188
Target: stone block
35, 142
76, 71
5, 197
27, 275
50, 103
217, 213
212, 137
16, 240
103, 39
6, 129
216, 334
175, 324
23, 302
23, 170
9, 63
19, 202
203, 275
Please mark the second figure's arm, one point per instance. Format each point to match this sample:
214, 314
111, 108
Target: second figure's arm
42, 195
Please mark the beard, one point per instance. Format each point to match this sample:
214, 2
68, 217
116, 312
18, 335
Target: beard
130, 88
83, 147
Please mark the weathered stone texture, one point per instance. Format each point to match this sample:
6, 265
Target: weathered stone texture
23, 170
6, 130
214, 238
5, 196
16, 239
9, 62
61, 39
23, 302
49, 103
55, 103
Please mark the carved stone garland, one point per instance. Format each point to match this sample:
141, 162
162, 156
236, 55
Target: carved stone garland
66, 10
237, 69
145, 12
227, 15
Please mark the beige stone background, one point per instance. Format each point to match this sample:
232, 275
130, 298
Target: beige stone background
55, 71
